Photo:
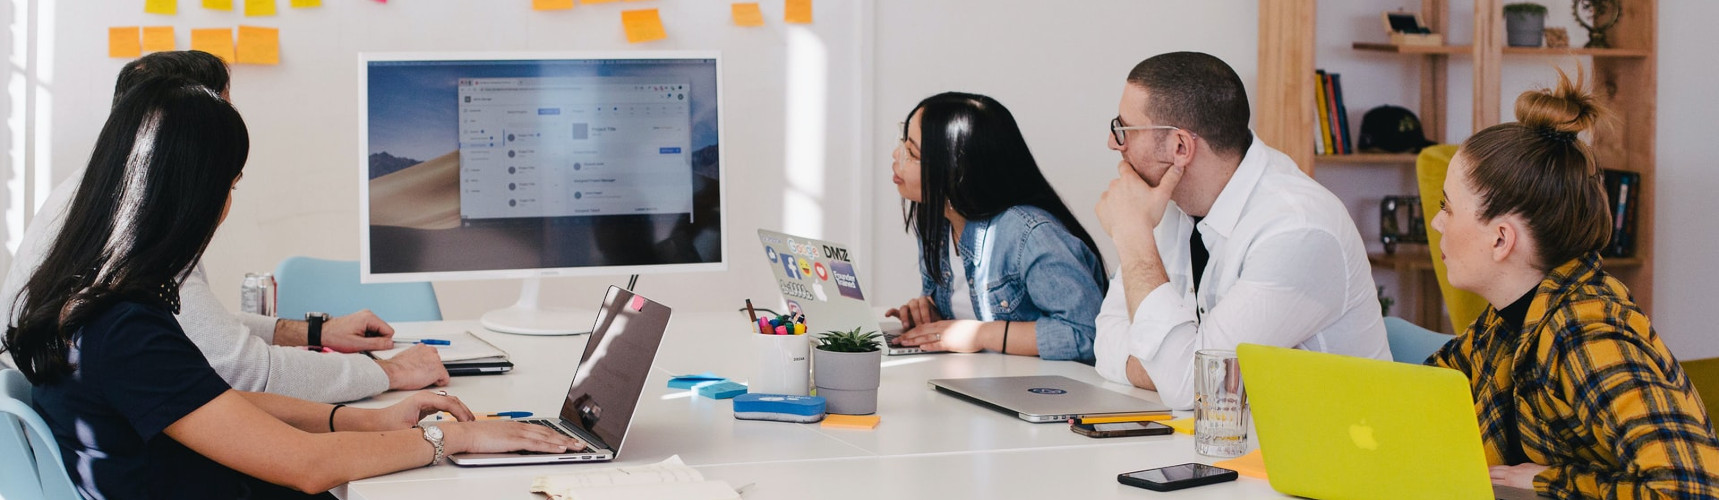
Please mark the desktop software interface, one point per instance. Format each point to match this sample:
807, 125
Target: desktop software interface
542, 164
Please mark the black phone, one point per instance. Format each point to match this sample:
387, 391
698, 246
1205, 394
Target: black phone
1120, 429
1176, 477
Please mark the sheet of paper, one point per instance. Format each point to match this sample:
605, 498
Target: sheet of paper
158, 39
797, 11
257, 8
702, 490
747, 14
670, 470
551, 4
643, 25
217, 41
123, 42
259, 45
168, 7
306, 4
218, 4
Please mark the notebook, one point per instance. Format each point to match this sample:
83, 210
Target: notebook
465, 354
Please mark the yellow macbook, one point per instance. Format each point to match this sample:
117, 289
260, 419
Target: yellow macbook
1338, 427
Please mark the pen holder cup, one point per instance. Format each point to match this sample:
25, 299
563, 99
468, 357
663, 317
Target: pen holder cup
784, 364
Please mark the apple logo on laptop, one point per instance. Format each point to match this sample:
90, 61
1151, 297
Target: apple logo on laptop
1362, 435
1046, 390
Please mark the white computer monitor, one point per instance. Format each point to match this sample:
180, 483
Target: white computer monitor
532, 165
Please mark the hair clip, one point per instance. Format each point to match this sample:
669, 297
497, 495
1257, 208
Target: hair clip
1554, 135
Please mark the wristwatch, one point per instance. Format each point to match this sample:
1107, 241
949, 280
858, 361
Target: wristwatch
313, 335
433, 434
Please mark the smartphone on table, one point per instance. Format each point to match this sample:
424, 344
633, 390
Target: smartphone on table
1120, 429
1176, 477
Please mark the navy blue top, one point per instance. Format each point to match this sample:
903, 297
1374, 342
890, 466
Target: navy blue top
136, 374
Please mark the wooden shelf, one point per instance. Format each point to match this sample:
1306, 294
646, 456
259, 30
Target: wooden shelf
1577, 51
1414, 258
1399, 159
1415, 49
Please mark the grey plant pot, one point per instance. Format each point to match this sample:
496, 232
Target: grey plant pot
1524, 29
847, 380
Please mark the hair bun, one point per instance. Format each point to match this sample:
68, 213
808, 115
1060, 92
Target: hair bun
1564, 110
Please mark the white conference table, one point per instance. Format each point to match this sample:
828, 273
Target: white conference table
927, 445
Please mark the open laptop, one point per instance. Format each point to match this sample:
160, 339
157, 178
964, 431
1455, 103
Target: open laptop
1045, 398
606, 385
820, 279
1339, 427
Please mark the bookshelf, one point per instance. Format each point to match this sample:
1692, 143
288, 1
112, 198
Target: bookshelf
1625, 78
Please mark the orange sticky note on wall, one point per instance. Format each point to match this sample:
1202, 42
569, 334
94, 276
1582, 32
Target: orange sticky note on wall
747, 14
305, 4
259, 45
217, 41
158, 38
551, 4
122, 42
256, 8
168, 7
218, 4
643, 25
797, 11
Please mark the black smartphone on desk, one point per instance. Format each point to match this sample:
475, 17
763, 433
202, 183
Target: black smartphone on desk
1120, 429
1176, 477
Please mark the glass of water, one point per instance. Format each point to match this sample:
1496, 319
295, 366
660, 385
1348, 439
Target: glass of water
1220, 405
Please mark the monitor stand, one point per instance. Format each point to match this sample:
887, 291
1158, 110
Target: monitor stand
529, 317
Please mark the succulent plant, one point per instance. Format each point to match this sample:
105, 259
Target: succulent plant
850, 341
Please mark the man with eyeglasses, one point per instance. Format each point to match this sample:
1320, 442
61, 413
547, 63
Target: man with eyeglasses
1222, 239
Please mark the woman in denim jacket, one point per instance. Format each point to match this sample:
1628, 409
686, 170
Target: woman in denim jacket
1028, 278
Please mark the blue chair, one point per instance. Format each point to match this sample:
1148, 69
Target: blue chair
1410, 343
30, 465
331, 286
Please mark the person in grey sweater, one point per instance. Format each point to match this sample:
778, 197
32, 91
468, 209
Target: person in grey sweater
251, 352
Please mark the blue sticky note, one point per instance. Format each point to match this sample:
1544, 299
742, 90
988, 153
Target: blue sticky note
693, 381
721, 390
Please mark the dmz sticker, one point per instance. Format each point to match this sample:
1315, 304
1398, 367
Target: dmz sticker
1046, 390
846, 281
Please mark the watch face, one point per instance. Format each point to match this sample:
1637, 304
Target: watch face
433, 432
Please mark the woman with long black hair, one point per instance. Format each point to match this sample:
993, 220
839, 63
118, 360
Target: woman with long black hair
1004, 264
136, 408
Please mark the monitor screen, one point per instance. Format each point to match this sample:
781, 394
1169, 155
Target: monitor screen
502, 166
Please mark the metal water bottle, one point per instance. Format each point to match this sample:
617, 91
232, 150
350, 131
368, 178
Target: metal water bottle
268, 290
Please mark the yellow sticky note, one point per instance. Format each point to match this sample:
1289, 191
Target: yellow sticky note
797, 11
1250, 465
551, 4
259, 45
861, 422
257, 8
169, 7
158, 38
747, 14
643, 25
122, 42
306, 4
217, 41
1182, 425
218, 4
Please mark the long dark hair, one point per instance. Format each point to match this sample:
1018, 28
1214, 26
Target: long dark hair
201, 67
150, 199
974, 159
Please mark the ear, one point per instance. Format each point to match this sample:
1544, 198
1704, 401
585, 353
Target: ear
1183, 152
1507, 232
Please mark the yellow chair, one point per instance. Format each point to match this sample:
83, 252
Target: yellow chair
1430, 168
1704, 375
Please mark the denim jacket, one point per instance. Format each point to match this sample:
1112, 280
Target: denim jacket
1030, 269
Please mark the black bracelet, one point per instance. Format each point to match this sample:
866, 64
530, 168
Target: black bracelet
331, 417
1005, 337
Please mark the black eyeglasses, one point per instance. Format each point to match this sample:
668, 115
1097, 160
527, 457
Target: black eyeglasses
1119, 133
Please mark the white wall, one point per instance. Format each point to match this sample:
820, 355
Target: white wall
299, 195
1686, 234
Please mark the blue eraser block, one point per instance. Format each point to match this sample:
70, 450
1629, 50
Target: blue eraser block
721, 390
692, 381
803, 406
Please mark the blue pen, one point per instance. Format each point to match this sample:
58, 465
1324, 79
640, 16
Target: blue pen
425, 342
510, 414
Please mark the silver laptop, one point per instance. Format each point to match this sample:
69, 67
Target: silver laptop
1045, 398
821, 280
599, 407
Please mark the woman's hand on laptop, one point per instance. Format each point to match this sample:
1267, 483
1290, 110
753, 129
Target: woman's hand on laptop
407, 413
503, 437
956, 335
916, 312
1516, 476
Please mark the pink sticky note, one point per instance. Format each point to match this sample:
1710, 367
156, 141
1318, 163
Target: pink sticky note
638, 303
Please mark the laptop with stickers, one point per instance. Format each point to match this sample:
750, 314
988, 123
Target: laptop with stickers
821, 280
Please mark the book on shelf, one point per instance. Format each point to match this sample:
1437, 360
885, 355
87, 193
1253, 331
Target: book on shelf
1324, 143
1342, 114
1332, 136
1622, 195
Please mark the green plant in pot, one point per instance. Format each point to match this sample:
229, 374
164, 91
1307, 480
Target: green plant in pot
1524, 23
846, 368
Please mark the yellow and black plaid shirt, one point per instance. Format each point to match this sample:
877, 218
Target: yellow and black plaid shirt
1587, 388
